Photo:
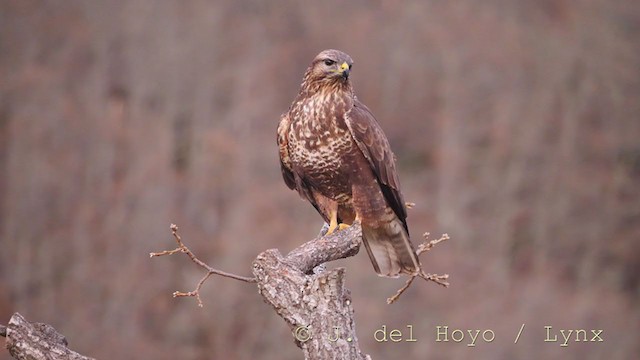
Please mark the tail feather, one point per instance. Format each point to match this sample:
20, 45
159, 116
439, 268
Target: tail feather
390, 249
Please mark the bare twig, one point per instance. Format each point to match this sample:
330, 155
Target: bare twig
406, 285
426, 246
438, 279
182, 248
166, 252
299, 257
290, 284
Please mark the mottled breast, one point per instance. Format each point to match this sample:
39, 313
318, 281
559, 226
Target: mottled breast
320, 144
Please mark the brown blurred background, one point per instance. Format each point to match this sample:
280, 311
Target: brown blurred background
516, 125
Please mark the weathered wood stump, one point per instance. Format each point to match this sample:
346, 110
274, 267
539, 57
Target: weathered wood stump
36, 341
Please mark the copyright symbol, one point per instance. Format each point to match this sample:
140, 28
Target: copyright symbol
302, 333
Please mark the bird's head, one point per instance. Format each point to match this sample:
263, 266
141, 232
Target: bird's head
330, 67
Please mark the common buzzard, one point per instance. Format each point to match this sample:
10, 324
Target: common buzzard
334, 153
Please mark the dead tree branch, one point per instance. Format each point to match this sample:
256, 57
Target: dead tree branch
438, 279
182, 248
314, 303
36, 341
316, 307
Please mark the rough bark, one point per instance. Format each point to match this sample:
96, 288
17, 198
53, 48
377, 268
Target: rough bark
317, 307
37, 341
313, 302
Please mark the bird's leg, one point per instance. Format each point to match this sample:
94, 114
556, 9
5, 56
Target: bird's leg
334, 225
334, 222
344, 226
358, 218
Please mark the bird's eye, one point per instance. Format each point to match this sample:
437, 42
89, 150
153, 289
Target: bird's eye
329, 62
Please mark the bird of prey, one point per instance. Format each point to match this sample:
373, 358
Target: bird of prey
334, 153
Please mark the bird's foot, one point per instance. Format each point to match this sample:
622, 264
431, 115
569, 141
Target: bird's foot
334, 227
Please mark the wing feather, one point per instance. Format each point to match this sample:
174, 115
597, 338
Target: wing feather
283, 148
293, 179
374, 145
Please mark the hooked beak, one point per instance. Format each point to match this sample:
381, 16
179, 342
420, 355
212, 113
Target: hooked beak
344, 70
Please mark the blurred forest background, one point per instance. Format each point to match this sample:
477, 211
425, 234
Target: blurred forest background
516, 125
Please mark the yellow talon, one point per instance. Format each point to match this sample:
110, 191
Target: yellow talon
332, 226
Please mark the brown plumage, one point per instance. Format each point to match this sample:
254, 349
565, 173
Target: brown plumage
334, 153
